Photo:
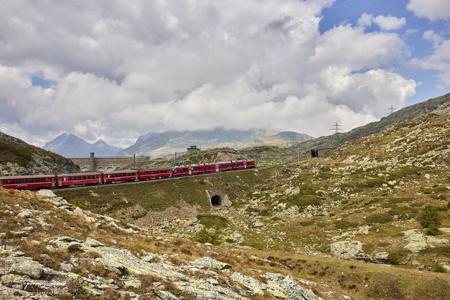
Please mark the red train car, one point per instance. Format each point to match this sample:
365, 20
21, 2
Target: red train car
210, 168
250, 164
77, 179
120, 176
28, 182
181, 171
197, 169
239, 164
154, 174
224, 166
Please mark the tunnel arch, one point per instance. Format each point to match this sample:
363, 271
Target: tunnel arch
216, 200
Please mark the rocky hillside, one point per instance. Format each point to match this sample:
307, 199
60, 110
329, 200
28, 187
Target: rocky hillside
52, 249
325, 143
20, 158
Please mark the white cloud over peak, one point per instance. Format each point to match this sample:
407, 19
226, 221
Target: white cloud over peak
388, 23
126, 68
430, 9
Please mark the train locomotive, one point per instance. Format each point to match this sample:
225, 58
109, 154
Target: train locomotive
36, 182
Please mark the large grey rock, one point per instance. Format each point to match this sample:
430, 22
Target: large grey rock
46, 194
210, 263
348, 250
21, 266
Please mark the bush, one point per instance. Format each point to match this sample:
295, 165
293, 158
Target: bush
210, 221
343, 224
303, 200
430, 219
204, 236
396, 256
379, 218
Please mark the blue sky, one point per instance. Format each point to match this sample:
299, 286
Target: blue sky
349, 11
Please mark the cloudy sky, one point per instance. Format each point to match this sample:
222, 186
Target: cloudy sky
117, 69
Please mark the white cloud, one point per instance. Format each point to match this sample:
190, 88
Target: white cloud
430, 9
438, 61
126, 68
434, 37
388, 23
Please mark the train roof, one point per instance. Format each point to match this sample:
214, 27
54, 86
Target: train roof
121, 171
80, 174
26, 176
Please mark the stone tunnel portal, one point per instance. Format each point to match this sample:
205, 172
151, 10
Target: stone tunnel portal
216, 200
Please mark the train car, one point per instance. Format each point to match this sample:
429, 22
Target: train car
154, 174
224, 166
250, 164
28, 182
181, 171
78, 179
239, 164
197, 169
210, 168
120, 176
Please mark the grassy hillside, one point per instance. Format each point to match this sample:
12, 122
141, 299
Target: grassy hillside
19, 157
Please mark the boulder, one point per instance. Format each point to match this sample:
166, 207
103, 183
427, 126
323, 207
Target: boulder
46, 194
348, 250
416, 240
210, 263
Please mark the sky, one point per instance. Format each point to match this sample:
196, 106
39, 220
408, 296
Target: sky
119, 69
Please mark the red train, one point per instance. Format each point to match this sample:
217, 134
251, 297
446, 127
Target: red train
96, 178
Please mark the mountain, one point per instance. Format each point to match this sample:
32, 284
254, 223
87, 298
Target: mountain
70, 145
20, 158
177, 141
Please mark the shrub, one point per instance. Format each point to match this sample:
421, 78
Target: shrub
379, 218
436, 267
403, 212
343, 224
205, 236
303, 200
430, 219
210, 221
396, 256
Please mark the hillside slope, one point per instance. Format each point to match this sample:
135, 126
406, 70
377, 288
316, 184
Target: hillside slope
332, 141
20, 158
382, 198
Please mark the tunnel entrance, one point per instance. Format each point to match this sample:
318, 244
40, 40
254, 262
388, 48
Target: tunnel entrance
216, 200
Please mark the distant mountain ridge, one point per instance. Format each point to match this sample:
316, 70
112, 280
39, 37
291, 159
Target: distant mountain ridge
70, 145
177, 141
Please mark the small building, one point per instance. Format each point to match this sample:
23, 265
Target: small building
193, 148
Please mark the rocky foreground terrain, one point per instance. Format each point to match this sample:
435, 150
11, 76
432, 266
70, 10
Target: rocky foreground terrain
53, 250
20, 158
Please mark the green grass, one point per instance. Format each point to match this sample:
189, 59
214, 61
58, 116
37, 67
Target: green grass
160, 195
211, 221
380, 218
303, 201
396, 256
343, 224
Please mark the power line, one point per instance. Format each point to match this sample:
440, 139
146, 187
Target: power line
336, 127
391, 109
